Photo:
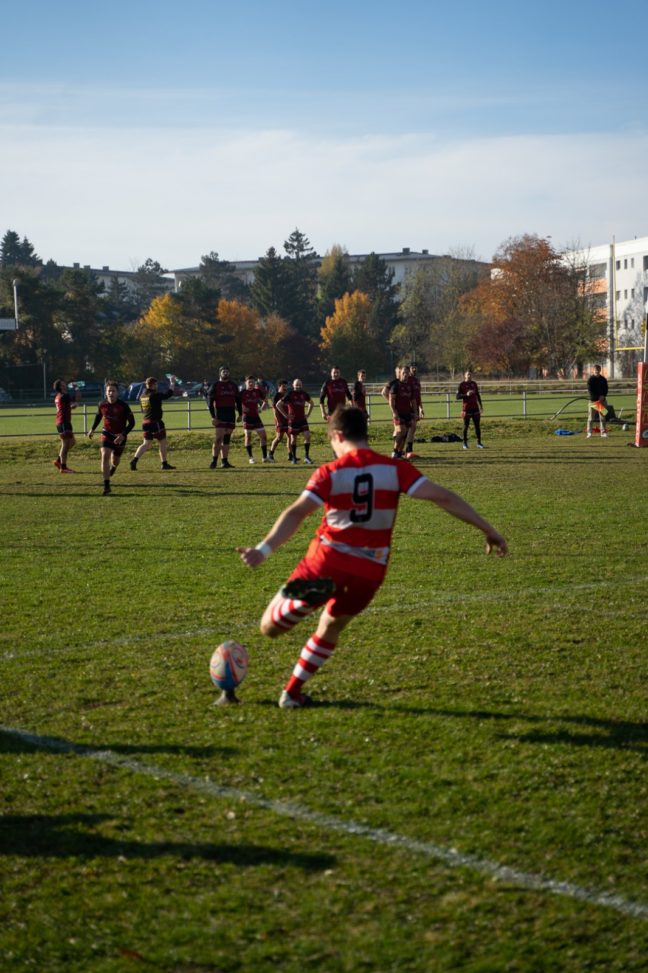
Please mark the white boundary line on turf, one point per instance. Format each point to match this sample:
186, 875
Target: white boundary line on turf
478, 597
449, 856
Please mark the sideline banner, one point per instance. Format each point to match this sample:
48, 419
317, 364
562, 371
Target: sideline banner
641, 431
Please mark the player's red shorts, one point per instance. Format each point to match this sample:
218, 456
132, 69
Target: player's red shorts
297, 426
253, 423
153, 430
281, 427
352, 592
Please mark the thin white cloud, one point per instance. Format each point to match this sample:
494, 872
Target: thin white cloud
109, 195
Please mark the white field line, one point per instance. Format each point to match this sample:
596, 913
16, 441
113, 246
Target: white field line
450, 598
327, 822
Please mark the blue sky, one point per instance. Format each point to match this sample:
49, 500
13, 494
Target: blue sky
168, 130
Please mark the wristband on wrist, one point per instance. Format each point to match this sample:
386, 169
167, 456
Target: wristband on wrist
265, 549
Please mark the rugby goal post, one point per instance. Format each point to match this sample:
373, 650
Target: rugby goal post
641, 430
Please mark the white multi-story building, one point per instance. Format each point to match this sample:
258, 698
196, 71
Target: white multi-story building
619, 275
402, 262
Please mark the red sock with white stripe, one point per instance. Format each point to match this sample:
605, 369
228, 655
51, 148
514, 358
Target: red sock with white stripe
313, 656
287, 612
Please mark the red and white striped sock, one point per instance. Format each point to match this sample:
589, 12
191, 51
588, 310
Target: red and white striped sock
289, 611
313, 656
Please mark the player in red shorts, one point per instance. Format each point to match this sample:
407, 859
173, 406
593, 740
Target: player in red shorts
64, 403
118, 420
471, 407
280, 420
296, 406
253, 398
346, 561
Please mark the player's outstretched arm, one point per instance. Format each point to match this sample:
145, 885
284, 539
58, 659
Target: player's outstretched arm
286, 524
457, 507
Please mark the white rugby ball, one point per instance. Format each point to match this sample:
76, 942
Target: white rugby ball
228, 665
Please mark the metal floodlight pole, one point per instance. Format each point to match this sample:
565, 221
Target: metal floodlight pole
15, 294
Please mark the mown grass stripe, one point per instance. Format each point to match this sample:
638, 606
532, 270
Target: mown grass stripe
449, 856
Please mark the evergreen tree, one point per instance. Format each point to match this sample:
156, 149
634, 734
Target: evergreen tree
149, 283
221, 276
272, 290
302, 266
334, 279
15, 252
374, 278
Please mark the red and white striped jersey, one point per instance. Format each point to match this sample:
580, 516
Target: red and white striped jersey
360, 493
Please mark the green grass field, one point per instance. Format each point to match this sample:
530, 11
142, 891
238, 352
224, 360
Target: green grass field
468, 794
182, 414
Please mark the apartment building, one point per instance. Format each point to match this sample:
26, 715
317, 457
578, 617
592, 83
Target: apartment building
402, 262
619, 276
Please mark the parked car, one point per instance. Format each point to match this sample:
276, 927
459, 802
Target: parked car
135, 389
88, 390
194, 390
5, 397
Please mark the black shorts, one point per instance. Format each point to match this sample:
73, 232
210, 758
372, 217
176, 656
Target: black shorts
108, 442
64, 429
226, 418
252, 423
153, 430
297, 426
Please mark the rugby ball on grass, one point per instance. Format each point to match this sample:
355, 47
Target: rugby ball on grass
228, 665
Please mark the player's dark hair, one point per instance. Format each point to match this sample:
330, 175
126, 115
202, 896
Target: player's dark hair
150, 381
111, 381
248, 377
350, 422
283, 381
59, 385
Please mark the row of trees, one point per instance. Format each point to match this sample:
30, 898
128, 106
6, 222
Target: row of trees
302, 313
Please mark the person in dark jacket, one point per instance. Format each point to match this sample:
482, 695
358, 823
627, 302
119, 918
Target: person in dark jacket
597, 389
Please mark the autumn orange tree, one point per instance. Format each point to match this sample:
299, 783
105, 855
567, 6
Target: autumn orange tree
347, 337
536, 309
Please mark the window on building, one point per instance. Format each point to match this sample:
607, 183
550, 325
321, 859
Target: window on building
632, 293
625, 264
645, 263
597, 271
632, 263
625, 294
618, 296
599, 301
618, 265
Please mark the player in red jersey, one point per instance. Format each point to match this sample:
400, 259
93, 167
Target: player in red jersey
223, 402
358, 393
64, 403
403, 408
296, 406
118, 420
346, 561
153, 428
471, 408
415, 387
253, 398
280, 420
334, 392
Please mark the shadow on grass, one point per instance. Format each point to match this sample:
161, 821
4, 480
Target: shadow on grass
610, 734
11, 743
73, 836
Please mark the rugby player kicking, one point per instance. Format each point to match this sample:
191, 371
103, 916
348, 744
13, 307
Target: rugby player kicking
346, 561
